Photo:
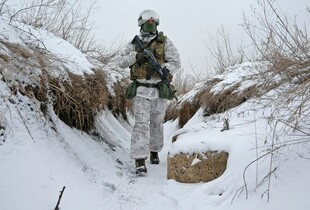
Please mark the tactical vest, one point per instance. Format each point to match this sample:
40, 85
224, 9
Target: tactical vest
157, 45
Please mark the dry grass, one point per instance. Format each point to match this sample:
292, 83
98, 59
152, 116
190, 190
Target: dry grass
75, 99
227, 99
186, 112
118, 104
210, 102
171, 111
75, 102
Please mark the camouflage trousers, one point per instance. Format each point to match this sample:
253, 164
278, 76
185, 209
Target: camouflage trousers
147, 133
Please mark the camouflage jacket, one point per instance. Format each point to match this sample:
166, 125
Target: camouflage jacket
165, 53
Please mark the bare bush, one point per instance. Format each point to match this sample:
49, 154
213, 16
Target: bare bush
70, 20
3, 7
184, 83
118, 104
221, 51
77, 101
286, 45
275, 36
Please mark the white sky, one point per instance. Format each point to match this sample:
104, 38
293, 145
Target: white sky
186, 23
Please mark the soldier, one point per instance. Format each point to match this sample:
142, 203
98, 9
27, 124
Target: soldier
148, 107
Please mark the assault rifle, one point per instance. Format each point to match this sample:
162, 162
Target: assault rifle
163, 72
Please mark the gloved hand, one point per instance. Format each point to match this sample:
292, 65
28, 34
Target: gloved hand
141, 57
150, 69
168, 76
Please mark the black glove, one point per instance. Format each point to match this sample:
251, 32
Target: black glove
141, 57
167, 75
149, 70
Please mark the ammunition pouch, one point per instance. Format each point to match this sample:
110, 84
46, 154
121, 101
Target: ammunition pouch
131, 90
163, 89
166, 91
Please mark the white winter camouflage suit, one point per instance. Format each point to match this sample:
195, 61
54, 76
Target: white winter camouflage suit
149, 109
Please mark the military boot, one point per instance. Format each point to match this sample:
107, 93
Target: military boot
140, 166
154, 158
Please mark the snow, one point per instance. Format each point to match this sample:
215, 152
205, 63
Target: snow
39, 156
72, 58
8, 33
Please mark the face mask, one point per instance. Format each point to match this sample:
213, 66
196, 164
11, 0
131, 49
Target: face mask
149, 27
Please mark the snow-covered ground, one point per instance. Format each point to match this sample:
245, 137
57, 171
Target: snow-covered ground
39, 156
100, 175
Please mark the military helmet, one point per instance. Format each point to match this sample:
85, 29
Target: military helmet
147, 15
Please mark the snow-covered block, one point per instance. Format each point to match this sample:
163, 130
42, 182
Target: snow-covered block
196, 167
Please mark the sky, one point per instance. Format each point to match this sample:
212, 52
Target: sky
39, 155
186, 23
